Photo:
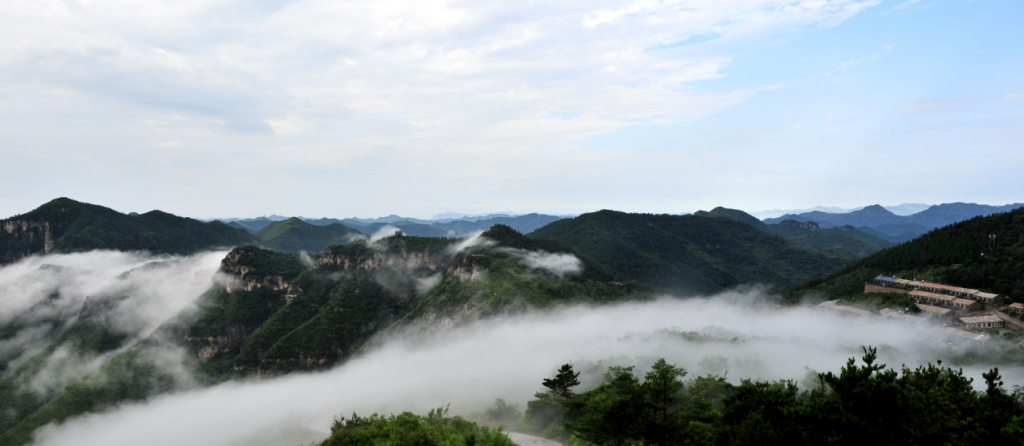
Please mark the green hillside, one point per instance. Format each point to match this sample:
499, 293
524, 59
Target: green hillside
279, 316
846, 243
687, 254
962, 254
64, 225
734, 214
129, 374
235, 224
294, 235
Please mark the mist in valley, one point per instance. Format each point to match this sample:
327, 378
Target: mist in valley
128, 293
738, 334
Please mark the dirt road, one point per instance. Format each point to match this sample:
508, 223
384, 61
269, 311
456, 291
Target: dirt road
530, 440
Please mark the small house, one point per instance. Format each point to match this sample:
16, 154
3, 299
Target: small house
933, 311
1015, 308
982, 322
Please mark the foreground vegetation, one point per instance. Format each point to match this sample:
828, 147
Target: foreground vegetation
864, 404
408, 429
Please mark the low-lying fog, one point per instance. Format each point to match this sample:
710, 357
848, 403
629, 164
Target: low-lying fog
470, 366
41, 296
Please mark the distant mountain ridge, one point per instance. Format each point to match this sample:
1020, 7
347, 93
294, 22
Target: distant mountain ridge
294, 235
65, 225
844, 242
448, 227
900, 209
688, 254
896, 227
522, 223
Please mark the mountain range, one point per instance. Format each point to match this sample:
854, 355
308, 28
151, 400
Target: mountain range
274, 310
964, 254
877, 220
846, 242
900, 209
687, 254
444, 227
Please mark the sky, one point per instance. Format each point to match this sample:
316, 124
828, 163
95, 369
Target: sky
228, 108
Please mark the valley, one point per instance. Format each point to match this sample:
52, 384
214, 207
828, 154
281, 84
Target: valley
296, 298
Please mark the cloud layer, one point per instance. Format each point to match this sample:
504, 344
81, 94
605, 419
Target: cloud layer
470, 366
132, 294
241, 97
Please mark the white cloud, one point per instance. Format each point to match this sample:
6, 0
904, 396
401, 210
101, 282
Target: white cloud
471, 240
282, 98
508, 357
911, 5
559, 264
468, 75
137, 291
886, 49
382, 233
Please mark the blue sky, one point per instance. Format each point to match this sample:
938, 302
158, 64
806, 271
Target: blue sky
215, 108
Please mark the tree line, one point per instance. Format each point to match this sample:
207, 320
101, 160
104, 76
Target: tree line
864, 404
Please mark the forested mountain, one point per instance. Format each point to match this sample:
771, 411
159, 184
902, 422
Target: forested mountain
522, 223
734, 214
253, 224
895, 227
451, 227
64, 225
688, 254
963, 254
845, 242
276, 313
235, 224
294, 235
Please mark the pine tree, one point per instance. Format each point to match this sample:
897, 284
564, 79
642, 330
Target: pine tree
561, 385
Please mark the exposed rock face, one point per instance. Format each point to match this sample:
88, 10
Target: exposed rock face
208, 346
39, 236
380, 259
246, 282
242, 276
464, 270
808, 225
37, 229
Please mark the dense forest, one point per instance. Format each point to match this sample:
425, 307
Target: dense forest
846, 243
985, 253
863, 404
294, 235
687, 254
437, 428
64, 225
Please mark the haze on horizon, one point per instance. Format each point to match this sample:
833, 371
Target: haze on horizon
221, 108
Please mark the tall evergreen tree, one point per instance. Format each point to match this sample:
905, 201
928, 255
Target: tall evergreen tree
563, 382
